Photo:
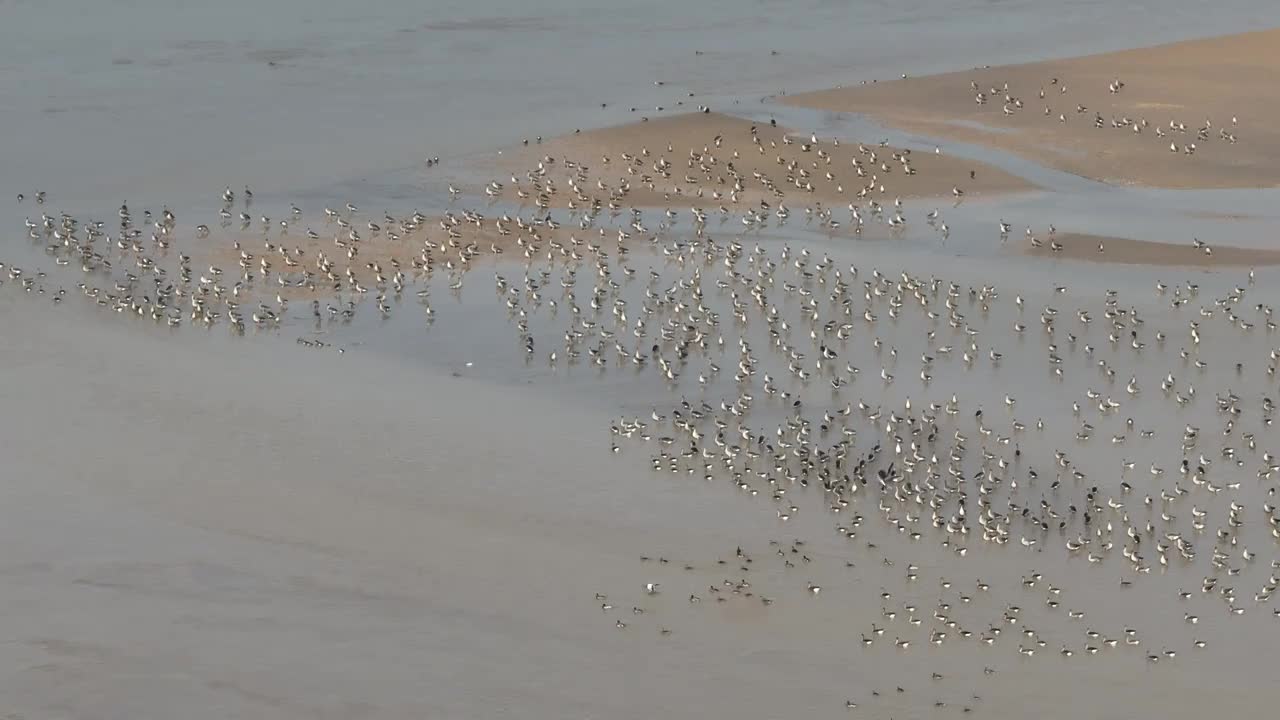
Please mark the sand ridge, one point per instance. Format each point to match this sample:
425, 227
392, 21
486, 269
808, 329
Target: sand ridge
1193, 114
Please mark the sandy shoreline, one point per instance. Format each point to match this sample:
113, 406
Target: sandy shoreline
1112, 117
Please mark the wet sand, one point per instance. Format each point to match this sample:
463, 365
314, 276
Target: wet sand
1213, 85
302, 263
709, 153
1127, 251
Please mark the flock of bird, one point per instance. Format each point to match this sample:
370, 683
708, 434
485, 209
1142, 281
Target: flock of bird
968, 447
733, 170
1176, 132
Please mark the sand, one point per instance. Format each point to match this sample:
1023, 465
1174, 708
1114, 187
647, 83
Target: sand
1128, 251
439, 243
707, 151
1219, 85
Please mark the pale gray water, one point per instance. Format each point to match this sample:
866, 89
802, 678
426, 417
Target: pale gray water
219, 526
104, 101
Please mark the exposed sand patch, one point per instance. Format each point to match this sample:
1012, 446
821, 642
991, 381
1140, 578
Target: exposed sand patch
713, 161
299, 266
1215, 92
1128, 251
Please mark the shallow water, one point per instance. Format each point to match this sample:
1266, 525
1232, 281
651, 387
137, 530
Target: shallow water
107, 101
390, 486
414, 518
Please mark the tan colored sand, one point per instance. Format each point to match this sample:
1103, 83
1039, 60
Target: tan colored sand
696, 160
1094, 248
1221, 85
377, 258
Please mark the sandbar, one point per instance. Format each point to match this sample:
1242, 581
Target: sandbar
712, 160
1195, 114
